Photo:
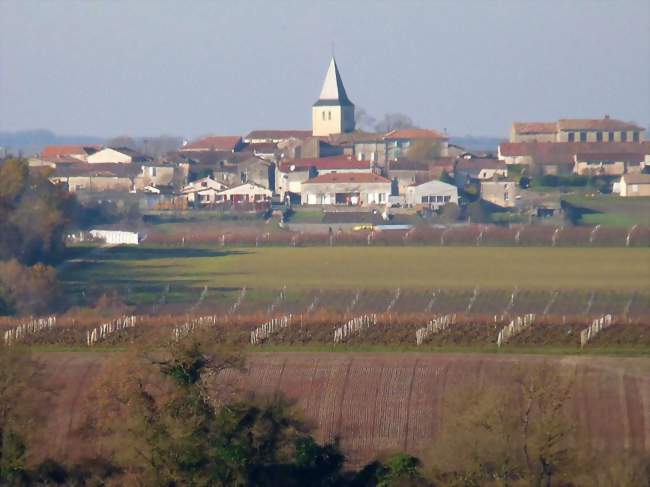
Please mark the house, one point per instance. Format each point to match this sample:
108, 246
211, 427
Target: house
428, 143
408, 171
203, 191
634, 185
431, 194
500, 193
275, 136
607, 164
292, 173
95, 177
352, 189
245, 193
333, 112
478, 169
116, 155
216, 143
66, 153
577, 130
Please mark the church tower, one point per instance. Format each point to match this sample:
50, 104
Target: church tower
333, 113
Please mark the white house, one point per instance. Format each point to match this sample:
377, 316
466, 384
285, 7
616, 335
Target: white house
432, 194
352, 189
245, 193
121, 155
292, 173
203, 191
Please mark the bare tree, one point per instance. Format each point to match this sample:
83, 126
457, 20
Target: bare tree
394, 121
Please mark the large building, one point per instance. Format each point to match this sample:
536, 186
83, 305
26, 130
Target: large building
333, 113
577, 130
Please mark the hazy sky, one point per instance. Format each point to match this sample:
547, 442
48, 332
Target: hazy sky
189, 68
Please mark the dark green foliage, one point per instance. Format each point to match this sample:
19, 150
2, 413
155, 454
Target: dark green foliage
34, 213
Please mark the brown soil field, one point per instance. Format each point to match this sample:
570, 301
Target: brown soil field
374, 402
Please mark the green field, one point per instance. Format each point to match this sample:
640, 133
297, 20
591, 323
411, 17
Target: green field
594, 269
610, 210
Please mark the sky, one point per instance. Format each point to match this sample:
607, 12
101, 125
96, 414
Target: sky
147, 67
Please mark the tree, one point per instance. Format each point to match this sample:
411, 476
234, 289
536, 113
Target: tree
514, 433
424, 149
122, 141
363, 120
169, 426
394, 121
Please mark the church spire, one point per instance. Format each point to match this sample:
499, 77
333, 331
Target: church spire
333, 91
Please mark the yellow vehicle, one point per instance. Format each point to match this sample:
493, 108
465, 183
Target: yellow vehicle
366, 226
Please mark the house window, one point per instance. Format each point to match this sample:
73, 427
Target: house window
447, 199
439, 199
611, 137
572, 137
329, 115
623, 136
599, 136
583, 136
323, 114
506, 196
635, 136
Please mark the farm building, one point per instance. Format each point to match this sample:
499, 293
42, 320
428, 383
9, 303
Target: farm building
607, 164
500, 193
634, 185
115, 237
432, 194
95, 177
352, 189
604, 129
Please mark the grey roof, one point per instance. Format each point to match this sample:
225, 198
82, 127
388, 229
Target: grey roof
333, 92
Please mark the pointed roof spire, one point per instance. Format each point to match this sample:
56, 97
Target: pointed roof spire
333, 91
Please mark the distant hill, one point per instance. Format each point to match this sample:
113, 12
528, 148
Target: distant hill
30, 142
470, 142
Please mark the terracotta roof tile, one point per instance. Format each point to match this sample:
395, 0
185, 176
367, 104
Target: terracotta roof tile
596, 124
66, 150
215, 143
347, 178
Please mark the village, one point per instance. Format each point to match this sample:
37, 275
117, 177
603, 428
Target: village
337, 175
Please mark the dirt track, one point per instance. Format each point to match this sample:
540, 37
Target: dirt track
381, 402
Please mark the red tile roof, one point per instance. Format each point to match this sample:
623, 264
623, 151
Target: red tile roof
596, 124
324, 163
66, 150
352, 177
535, 127
414, 134
215, 143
